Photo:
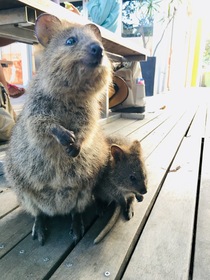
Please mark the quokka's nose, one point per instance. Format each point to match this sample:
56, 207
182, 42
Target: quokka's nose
144, 191
96, 50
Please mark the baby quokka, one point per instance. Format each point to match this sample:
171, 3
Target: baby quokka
124, 179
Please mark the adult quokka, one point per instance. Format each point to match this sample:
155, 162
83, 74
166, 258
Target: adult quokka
57, 148
124, 180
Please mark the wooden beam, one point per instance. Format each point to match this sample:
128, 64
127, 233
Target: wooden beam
113, 42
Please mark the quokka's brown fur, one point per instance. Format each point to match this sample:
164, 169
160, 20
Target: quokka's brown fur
57, 148
123, 180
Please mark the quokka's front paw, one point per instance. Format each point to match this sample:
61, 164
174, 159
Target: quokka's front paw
73, 150
67, 139
63, 136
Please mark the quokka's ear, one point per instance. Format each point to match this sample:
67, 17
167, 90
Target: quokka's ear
117, 153
46, 27
135, 147
95, 29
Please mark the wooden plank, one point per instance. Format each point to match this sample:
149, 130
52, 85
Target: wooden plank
164, 248
124, 126
112, 253
118, 124
29, 259
13, 228
201, 266
155, 137
149, 123
8, 201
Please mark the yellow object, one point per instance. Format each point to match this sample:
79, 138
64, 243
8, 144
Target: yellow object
196, 53
71, 7
68, 5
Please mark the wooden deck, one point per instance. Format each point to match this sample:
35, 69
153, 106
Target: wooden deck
169, 236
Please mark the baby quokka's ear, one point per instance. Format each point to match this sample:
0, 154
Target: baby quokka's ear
117, 153
135, 147
46, 27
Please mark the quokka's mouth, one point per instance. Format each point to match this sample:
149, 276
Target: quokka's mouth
93, 62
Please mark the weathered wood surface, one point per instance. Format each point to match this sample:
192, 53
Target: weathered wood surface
201, 263
168, 237
119, 244
164, 248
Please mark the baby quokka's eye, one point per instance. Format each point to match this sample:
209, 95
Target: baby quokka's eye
132, 178
71, 41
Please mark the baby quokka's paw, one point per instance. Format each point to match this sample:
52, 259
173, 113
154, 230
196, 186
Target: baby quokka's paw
67, 139
129, 212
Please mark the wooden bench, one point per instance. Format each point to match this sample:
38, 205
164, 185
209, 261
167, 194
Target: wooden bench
168, 237
17, 18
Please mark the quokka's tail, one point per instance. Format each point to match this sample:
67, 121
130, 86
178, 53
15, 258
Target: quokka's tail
109, 225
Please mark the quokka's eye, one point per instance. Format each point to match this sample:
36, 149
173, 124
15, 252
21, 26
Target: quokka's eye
71, 41
132, 178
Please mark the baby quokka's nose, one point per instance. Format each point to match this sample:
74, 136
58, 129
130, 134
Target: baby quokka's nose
144, 191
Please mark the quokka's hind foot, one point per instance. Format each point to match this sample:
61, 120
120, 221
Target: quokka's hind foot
100, 207
39, 229
77, 227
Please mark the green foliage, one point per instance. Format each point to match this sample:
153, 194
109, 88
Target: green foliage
206, 55
138, 17
150, 6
